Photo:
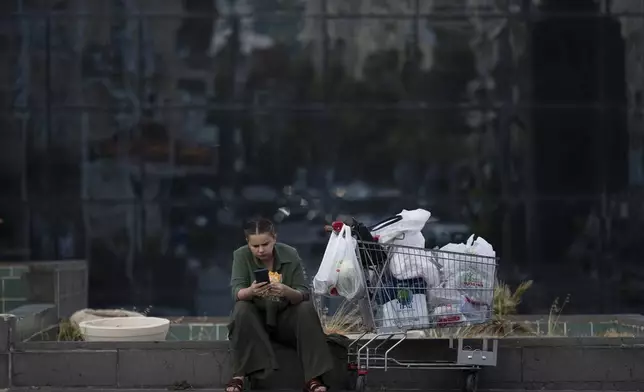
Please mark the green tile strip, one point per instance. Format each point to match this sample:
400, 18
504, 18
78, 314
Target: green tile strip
12, 271
13, 289
587, 329
9, 304
198, 332
179, 332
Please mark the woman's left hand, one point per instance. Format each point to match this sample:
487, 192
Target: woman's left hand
278, 289
281, 290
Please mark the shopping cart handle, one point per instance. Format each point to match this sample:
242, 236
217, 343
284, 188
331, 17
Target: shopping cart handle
337, 226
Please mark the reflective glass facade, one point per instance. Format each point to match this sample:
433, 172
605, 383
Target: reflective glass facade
140, 134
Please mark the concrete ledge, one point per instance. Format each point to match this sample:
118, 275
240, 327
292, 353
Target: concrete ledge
65, 369
530, 363
54, 389
621, 342
533, 363
32, 319
131, 365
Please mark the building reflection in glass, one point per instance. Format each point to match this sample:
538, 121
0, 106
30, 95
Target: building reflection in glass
141, 137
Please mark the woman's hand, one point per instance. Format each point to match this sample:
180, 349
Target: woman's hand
281, 290
278, 289
254, 290
258, 289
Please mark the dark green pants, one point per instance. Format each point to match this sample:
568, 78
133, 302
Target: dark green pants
298, 326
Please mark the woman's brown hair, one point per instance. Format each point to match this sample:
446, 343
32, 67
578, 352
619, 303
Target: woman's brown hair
259, 226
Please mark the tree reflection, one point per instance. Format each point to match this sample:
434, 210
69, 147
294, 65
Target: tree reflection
217, 110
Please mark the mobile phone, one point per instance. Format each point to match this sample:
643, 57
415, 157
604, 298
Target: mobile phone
261, 275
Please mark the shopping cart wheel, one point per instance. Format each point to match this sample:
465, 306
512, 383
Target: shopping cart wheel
352, 381
352, 378
361, 383
471, 382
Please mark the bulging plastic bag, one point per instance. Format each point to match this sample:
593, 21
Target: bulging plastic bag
410, 260
411, 221
459, 312
444, 295
406, 312
448, 315
415, 263
339, 272
469, 272
350, 278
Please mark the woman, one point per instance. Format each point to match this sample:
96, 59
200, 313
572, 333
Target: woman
279, 310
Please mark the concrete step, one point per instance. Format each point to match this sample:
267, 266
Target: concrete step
548, 363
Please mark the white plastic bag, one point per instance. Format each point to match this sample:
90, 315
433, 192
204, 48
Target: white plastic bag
413, 221
350, 276
339, 269
448, 315
469, 272
412, 261
459, 312
415, 263
444, 295
407, 311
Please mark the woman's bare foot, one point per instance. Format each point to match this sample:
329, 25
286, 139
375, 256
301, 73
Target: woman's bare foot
236, 384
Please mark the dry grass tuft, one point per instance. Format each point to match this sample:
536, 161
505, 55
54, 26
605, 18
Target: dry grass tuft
505, 304
344, 321
613, 333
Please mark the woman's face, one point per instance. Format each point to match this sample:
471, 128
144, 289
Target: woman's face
261, 245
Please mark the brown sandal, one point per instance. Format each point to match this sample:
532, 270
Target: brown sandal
314, 385
235, 385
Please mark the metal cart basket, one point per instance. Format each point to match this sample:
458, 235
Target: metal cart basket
411, 289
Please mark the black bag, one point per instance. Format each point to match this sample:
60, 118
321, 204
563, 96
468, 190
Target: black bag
372, 254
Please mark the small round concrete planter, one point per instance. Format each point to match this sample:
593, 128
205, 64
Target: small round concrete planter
125, 329
97, 314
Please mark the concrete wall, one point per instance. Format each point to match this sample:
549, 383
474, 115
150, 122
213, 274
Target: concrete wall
63, 283
532, 363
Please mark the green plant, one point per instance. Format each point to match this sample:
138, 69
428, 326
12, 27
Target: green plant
68, 332
504, 305
506, 302
554, 314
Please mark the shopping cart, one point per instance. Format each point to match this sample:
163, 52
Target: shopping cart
410, 289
